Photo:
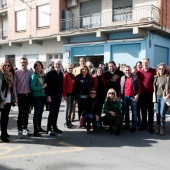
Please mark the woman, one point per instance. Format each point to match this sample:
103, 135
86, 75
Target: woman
92, 110
68, 93
112, 108
83, 84
37, 87
160, 96
6, 96
99, 83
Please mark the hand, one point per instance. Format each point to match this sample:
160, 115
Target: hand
112, 113
49, 99
136, 98
44, 86
16, 100
97, 118
65, 98
166, 97
4, 103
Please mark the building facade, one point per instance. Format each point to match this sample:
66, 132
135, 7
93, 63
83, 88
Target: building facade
99, 30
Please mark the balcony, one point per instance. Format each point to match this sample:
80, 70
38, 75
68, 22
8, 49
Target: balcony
3, 4
120, 16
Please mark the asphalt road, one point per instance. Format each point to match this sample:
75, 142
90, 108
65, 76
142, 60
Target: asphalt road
74, 149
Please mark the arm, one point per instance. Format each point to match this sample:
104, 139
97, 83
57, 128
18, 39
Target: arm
64, 86
34, 86
2, 98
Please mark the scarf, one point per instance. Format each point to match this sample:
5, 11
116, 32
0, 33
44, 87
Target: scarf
40, 75
9, 77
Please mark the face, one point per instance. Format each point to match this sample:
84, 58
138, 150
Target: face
38, 67
70, 69
145, 64
93, 94
138, 66
111, 94
161, 70
127, 71
52, 65
82, 62
7, 66
24, 64
58, 66
84, 71
111, 67
99, 72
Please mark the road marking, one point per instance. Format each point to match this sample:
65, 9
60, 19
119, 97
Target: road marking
8, 149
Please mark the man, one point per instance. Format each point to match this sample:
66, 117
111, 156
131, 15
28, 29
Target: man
146, 77
76, 71
54, 89
130, 91
23, 97
51, 67
113, 76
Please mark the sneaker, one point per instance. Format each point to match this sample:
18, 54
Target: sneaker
50, 133
20, 135
57, 130
26, 132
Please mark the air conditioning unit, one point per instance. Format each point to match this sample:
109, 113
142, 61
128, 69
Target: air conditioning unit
71, 3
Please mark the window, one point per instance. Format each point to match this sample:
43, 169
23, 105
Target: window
5, 29
43, 15
21, 20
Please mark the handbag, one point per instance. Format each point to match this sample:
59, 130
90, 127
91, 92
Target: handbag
82, 122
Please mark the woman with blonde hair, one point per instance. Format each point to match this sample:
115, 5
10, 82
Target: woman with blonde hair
112, 109
160, 96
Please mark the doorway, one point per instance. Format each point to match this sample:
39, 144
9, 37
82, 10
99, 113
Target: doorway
11, 58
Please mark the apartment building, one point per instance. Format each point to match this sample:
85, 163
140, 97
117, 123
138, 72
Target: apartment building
119, 30
99, 30
29, 29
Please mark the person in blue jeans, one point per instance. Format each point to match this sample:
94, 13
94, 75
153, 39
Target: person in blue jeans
160, 95
130, 91
37, 87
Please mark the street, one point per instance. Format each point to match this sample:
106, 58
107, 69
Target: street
75, 149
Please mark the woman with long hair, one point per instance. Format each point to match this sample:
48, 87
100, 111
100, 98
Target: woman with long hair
112, 109
160, 96
6, 96
37, 87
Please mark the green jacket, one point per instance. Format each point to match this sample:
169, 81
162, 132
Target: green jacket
35, 86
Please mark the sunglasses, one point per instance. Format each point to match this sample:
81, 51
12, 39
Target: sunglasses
7, 65
111, 93
92, 93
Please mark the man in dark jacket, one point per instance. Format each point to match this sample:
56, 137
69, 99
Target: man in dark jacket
54, 90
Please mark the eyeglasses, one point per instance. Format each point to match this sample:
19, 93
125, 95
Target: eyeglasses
69, 68
111, 93
127, 70
92, 93
7, 65
161, 69
24, 62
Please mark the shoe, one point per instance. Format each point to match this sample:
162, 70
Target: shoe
162, 130
117, 133
88, 130
126, 127
26, 132
151, 131
71, 124
41, 130
37, 134
157, 129
56, 130
6, 140
20, 135
142, 128
50, 133
132, 130
67, 124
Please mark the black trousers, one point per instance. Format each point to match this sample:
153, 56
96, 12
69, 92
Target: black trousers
53, 111
24, 104
147, 109
4, 119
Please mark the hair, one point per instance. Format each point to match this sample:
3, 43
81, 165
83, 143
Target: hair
113, 91
98, 69
58, 61
12, 68
82, 58
165, 69
38, 62
86, 68
92, 89
70, 65
138, 62
89, 64
146, 59
51, 63
23, 58
111, 62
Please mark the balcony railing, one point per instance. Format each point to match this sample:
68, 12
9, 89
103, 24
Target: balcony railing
127, 15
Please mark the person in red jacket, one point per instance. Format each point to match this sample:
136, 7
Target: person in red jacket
68, 93
99, 83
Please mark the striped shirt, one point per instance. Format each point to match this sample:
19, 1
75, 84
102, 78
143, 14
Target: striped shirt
22, 82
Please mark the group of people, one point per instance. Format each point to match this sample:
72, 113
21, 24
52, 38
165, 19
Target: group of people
111, 92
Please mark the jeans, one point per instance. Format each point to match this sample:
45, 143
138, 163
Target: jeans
147, 107
68, 107
129, 101
160, 107
53, 111
24, 104
92, 119
39, 102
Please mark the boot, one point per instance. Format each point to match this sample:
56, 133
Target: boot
36, 133
157, 129
68, 125
117, 131
39, 127
162, 130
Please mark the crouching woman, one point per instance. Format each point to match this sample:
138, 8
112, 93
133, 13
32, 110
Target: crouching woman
112, 109
92, 111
